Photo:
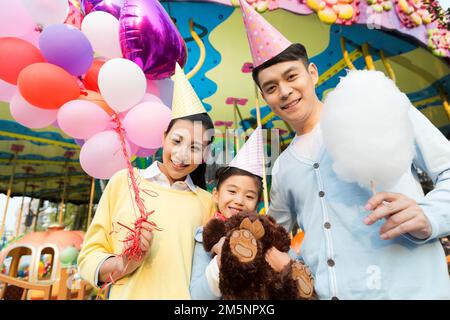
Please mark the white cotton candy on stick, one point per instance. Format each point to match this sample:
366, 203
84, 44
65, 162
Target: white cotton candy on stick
367, 130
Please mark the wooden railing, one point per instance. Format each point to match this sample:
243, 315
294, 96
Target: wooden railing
10, 284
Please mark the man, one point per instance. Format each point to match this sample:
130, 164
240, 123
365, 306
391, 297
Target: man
358, 246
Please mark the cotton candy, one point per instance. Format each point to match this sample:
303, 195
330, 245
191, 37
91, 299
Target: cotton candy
367, 130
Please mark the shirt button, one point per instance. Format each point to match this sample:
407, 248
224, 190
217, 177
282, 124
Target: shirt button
316, 165
334, 298
330, 262
327, 225
321, 194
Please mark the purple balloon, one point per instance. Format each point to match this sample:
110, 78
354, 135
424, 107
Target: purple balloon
67, 47
110, 6
149, 38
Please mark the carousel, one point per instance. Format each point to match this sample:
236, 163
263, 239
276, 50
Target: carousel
63, 158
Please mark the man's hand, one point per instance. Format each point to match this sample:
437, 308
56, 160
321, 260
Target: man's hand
276, 259
402, 215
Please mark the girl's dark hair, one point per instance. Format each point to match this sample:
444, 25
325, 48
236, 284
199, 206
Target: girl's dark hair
223, 173
295, 51
198, 175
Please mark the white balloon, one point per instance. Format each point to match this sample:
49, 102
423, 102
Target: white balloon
102, 30
47, 12
122, 84
14, 19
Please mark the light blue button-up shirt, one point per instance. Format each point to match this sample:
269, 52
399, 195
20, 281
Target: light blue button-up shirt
349, 260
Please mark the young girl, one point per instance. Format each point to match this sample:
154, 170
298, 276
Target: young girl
239, 188
173, 190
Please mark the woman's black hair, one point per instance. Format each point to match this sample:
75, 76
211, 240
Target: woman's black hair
294, 52
223, 173
198, 175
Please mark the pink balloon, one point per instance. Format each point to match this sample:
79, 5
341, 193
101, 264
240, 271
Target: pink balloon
81, 119
145, 124
29, 115
143, 153
101, 156
15, 20
32, 37
7, 91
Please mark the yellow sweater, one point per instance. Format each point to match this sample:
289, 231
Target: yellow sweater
166, 271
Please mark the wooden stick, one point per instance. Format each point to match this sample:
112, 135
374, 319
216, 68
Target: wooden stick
372, 187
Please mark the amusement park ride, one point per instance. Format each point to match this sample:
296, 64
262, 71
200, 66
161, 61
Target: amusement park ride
409, 40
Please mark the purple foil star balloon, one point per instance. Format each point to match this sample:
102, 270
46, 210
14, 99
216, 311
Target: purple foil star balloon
149, 38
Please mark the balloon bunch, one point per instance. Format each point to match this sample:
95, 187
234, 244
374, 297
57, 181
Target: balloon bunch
50, 75
98, 70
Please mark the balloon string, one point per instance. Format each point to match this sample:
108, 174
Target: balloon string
133, 251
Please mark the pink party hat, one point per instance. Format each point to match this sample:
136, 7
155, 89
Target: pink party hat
250, 156
265, 41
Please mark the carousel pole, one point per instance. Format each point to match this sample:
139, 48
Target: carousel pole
235, 102
16, 149
236, 135
38, 211
19, 218
258, 119
30, 211
91, 203
63, 195
67, 155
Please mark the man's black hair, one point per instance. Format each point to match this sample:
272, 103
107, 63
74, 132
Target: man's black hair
295, 51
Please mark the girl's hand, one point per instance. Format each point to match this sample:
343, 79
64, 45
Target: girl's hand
276, 259
217, 248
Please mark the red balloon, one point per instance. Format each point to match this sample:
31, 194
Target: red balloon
91, 78
47, 86
15, 55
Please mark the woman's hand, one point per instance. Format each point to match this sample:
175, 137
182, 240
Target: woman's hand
129, 265
117, 267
